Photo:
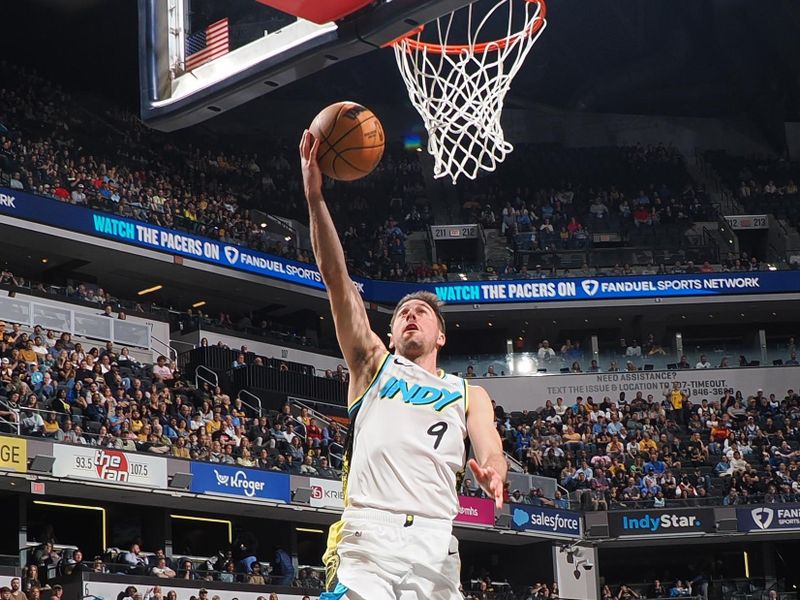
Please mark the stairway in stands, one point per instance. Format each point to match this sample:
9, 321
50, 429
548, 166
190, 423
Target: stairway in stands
784, 216
417, 248
442, 194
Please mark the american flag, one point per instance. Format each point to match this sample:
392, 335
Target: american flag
208, 44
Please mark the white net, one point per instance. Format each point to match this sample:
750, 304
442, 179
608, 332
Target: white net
459, 90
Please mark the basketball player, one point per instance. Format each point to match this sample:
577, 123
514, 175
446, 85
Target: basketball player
406, 446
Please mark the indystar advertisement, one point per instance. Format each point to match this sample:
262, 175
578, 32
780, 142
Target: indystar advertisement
661, 522
768, 518
251, 483
144, 235
545, 520
478, 511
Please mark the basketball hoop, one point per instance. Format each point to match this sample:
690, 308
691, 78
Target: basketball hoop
459, 90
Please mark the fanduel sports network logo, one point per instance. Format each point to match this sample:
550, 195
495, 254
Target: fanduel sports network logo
762, 517
590, 286
232, 254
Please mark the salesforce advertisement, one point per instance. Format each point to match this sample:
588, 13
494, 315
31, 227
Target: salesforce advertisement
210, 478
59, 214
648, 523
545, 520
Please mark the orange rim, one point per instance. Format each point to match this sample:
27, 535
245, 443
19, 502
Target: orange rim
483, 47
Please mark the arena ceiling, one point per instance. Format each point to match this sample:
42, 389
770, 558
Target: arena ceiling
673, 57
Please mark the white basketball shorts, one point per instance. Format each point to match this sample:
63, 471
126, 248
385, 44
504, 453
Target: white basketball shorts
377, 555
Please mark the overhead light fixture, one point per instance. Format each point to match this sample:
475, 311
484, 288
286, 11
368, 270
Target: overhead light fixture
288, 238
208, 520
149, 290
44, 261
263, 226
100, 509
199, 304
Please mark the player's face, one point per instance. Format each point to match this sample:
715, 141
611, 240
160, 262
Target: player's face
415, 331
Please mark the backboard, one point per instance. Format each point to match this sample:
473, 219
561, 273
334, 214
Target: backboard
199, 58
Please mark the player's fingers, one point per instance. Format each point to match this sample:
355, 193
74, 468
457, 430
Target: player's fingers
474, 466
314, 148
497, 489
304, 144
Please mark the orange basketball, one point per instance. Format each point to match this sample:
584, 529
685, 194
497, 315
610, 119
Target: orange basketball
350, 138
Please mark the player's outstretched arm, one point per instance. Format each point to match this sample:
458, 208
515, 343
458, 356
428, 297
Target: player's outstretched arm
361, 347
489, 465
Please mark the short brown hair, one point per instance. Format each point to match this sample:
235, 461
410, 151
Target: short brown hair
428, 298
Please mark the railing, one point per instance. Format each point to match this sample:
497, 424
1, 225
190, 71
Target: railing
513, 464
198, 377
317, 416
82, 323
528, 363
257, 408
221, 359
9, 425
171, 352
292, 384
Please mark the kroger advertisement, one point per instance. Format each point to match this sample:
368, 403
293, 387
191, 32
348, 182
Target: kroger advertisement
211, 478
137, 233
545, 520
769, 518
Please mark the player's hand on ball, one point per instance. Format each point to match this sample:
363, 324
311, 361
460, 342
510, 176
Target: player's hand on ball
489, 480
312, 176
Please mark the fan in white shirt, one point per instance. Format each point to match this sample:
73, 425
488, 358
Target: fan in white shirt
703, 363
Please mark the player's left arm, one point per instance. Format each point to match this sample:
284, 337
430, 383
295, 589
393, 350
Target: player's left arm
489, 465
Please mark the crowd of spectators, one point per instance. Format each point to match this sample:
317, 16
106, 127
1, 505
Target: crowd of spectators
662, 447
632, 355
56, 145
47, 563
584, 190
101, 396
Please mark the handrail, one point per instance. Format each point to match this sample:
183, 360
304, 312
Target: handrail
302, 436
514, 464
564, 494
315, 414
260, 410
198, 377
12, 424
172, 353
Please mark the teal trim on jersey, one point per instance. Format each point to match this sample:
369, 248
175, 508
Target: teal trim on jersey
377, 376
337, 594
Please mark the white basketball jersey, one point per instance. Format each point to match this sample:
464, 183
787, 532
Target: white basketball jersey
408, 445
